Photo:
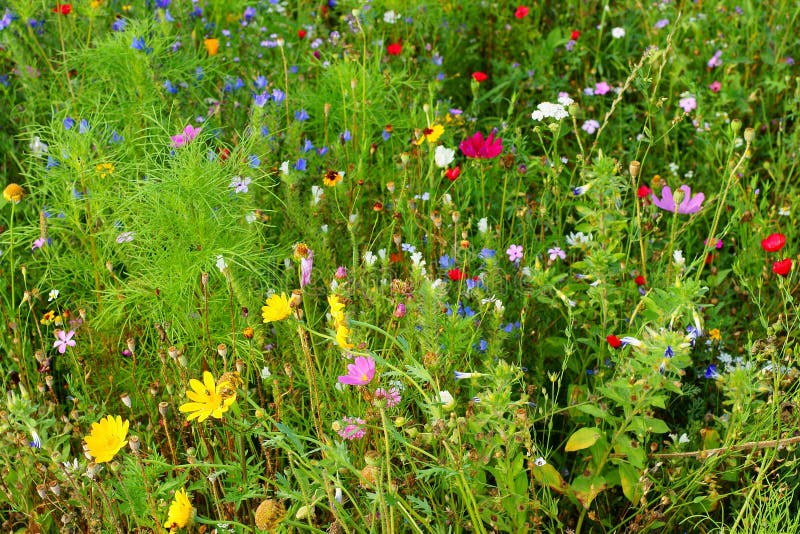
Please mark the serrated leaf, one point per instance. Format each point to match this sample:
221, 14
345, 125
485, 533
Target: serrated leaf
582, 439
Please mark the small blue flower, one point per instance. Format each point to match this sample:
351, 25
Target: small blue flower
668, 352
446, 262
139, 44
345, 136
264, 131
278, 96
69, 122
300, 165
170, 88
386, 135
255, 161
260, 99
83, 127
711, 372
486, 253
408, 247
52, 162
116, 138
301, 115
260, 82
482, 345
307, 146
119, 25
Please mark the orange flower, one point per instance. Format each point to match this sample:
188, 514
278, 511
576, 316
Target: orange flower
212, 46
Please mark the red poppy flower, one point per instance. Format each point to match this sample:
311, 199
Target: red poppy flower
456, 274
782, 267
479, 76
64, 9
394, 49
575, 34
773, 242
640, 281
643, 191
521, 12
453, 173
396, 257
301, 34
614, 341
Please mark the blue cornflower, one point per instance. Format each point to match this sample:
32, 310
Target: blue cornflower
69, 122
711, 372
482, 345
255, 161
307, 146
301, 115
345, 136
139, 44
486, 253
170, 88
278, 96
446, 262
261, 99
119, 25
300, 165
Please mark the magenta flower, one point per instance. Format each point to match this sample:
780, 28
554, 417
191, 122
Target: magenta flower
478, 147
64, 340
359, 373
601, 88
715, 86
689, 204
183, 138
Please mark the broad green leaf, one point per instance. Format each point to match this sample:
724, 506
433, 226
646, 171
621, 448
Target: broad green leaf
582, 439
586, 489
632, 450
629, 479
593, 410
547, 475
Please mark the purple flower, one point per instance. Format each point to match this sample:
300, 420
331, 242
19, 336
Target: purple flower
715, 60
306, 265
301, 115
556, 252
590, 126
351, 428
514, 252
661, 24
359, 373
64, 340
687, 103
239, 184
392, 396
125, 237
69, 122
689, 203
601, 88
711, 372
38, 243
400, 311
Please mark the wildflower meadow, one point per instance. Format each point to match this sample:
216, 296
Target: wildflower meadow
357, 266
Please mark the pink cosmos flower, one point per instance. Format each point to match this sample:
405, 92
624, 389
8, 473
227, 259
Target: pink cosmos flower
514, 252
359, 373
689, 204
64, 340
183, 138
478, 147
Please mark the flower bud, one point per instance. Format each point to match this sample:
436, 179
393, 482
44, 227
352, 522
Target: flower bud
749, 135
126, 400
222, 350
736, 125
134, 443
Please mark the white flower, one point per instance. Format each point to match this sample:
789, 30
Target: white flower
316, 194
221, 265
784, 211
250, 217
285, 168
71, 467
265, 373
576, 239
447, 200
539, 462
37, 147
370, 258
324, 228
549, 110
443, 156
483, 225
446, 400
618, 33
417, 261
53, 295
565, 100
677, 256
390, 17
334, 285
352, 218
382, 254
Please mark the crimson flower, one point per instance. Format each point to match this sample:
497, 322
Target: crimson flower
643, 191
301, 34
478, 147
575, 34
394, 49
453, 173
640, 281
479, 76
456, 274
521, 12
773, 242
782, 267
614, 341
63, 9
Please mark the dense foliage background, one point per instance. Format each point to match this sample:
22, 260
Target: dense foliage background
522, 267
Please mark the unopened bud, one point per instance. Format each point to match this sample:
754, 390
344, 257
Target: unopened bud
126, 400
736, 125
134, 443
239, 365
131, 342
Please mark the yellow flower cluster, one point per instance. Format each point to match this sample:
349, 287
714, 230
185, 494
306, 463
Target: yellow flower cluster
339, 322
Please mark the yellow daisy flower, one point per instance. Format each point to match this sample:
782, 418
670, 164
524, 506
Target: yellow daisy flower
332, 178
277, 308
207, 399
13, 193
715, 334
181, 511
431, 134
341, 337
105, 169
107, 438
337, 309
